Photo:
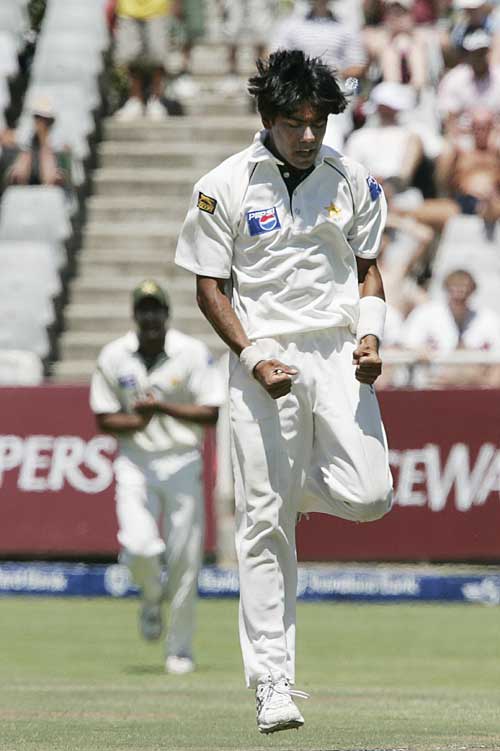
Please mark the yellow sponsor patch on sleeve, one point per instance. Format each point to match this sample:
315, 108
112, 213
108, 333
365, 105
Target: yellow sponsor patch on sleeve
206, 203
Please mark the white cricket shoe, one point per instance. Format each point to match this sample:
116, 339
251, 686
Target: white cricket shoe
276, 709
150, 621
155, 111
179, 665
133, 109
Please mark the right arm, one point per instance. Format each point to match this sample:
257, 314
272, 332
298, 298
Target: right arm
273, 375
106, 405
121, 423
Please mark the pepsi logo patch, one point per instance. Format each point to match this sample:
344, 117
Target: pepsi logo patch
265, 220
373, 187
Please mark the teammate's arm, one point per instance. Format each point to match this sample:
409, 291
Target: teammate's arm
366, 355
273, 375
121, 422
197, 413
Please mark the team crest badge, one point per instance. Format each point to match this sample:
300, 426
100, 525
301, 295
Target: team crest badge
333, 210
265, 220
207, 203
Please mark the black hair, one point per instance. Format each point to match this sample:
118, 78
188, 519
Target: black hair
289, 79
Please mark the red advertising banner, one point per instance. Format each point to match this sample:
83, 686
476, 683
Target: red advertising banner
56, 481
445, 460
56, 476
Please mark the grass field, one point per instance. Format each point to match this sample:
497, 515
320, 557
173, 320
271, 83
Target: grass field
74, 676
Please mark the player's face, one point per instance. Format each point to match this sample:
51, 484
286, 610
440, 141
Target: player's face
298, 137
151, 319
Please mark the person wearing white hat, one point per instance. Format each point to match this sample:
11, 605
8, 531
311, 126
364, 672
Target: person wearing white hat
474, 15
38, 161
472, 84
389, 149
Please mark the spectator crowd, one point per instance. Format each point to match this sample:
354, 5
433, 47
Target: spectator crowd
423, 79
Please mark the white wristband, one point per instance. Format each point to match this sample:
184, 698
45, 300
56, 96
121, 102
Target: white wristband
372, 312
251, 355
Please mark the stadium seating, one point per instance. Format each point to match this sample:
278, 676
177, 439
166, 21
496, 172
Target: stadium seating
9, 63
36, 213
20, 368
40, 225
29, 284
25, 331
13, 20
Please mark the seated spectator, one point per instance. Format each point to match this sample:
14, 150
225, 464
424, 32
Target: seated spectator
142, 45
473, 15
396, 48
442, 327
387, 148
473, 84
468, 176
319, 34
39, 161
249, 21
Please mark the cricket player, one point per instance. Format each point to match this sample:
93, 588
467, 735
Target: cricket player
283, 238
155, 390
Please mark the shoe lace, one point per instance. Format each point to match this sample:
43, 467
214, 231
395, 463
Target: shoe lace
280, 687
283, 687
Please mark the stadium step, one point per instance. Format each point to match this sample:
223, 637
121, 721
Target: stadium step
130, 235
135, 208
148, 155
145, 182
117, 317
98, 288
86, 345
73, 371
140, 194
237, 130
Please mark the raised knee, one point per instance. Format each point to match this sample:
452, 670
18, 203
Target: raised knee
375, 509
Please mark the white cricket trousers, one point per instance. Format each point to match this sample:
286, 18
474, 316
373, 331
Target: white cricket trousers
320, 448
158, 515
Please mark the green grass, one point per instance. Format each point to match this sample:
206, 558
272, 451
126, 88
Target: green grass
74, 676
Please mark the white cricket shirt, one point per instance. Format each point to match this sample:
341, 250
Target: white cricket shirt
186, 375
292, 262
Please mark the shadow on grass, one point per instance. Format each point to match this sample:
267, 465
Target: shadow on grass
144, 670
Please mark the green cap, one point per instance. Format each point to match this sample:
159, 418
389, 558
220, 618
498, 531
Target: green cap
149, 289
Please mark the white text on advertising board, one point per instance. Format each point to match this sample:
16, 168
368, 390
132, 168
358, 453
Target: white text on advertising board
424, 480
46, 463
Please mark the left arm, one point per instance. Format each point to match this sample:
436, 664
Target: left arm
366, 355
197, 413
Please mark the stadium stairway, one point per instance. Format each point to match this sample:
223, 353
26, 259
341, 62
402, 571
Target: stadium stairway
141, 191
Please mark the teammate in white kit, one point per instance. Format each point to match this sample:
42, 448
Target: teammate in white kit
155, 390
279, 236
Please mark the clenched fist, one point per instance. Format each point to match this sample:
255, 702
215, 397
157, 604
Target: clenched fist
367, 360
275, 377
